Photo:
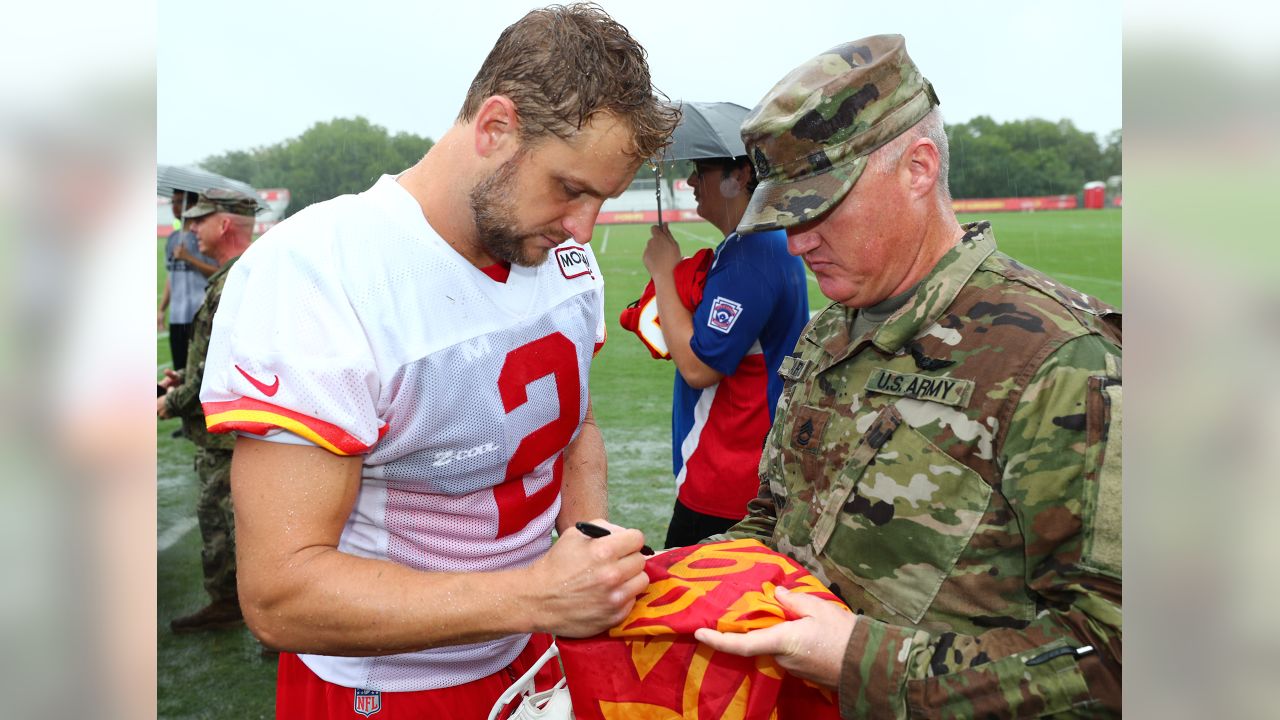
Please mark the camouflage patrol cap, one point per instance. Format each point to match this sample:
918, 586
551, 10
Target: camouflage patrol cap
222, 200
809, 137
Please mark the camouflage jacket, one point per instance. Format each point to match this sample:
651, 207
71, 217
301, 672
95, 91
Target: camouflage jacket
184, 400
954, 476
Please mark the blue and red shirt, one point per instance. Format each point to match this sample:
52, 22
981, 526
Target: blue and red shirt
754, 306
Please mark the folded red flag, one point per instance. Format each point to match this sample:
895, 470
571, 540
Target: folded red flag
641, 316
650, 666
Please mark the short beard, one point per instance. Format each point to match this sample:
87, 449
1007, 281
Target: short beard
493, 210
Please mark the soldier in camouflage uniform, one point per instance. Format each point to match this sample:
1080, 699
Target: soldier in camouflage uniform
223, 222
946, 451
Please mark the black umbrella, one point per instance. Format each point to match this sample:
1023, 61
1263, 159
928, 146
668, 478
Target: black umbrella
170, 178
706, 130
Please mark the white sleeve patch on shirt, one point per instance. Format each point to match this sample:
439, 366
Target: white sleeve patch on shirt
724, 313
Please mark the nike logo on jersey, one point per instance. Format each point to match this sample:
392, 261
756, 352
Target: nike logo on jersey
264, 388
573, 262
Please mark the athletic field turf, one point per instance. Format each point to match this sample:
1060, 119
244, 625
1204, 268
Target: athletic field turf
221, 675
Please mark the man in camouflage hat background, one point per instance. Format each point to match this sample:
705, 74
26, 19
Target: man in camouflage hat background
946, 451
223, 222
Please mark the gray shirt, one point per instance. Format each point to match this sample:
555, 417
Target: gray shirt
186, 284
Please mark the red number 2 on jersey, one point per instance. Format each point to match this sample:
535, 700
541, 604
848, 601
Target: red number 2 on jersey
554, 355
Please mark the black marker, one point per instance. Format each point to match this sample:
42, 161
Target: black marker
595, 531
1077, 652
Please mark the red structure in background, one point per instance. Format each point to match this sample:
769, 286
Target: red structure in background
1095, 195
649, 217
1013, 204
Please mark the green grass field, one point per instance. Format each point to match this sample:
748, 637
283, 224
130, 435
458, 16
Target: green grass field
220, 674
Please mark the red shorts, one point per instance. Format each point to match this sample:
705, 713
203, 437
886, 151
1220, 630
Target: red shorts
302, 695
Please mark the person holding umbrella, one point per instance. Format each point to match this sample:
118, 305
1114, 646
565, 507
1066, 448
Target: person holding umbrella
187, 273
728, 348
187, 270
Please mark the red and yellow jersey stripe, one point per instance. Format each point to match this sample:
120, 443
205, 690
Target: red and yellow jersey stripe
257, 417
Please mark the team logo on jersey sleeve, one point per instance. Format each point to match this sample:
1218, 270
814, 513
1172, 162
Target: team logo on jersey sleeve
368, 702
573, 261
724, 313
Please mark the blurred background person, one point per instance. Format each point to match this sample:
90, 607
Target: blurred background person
728, 348
222, 221
187, 272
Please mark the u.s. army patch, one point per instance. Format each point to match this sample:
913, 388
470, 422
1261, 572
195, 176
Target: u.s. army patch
946, 390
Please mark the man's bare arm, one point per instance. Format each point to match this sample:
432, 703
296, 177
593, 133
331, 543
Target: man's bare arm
584, 493
300, 593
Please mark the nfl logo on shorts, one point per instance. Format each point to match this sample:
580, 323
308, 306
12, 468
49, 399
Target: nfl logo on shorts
724, 313
368, 702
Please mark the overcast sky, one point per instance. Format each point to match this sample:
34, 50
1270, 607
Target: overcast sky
241, 74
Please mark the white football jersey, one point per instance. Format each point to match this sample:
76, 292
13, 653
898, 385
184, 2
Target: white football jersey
353, 325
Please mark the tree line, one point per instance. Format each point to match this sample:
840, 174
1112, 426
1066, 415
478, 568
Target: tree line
988, 159
344, 155
1027, 158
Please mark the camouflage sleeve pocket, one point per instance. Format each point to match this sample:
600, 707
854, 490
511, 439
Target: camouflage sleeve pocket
1104, 490
1009, 688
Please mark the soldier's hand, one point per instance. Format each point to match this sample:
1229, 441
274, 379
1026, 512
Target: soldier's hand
811, 647
584, 586
161, 411
171, 379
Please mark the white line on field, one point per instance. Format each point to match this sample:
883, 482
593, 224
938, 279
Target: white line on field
163, 336
604, 244
688, 233
174, 533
